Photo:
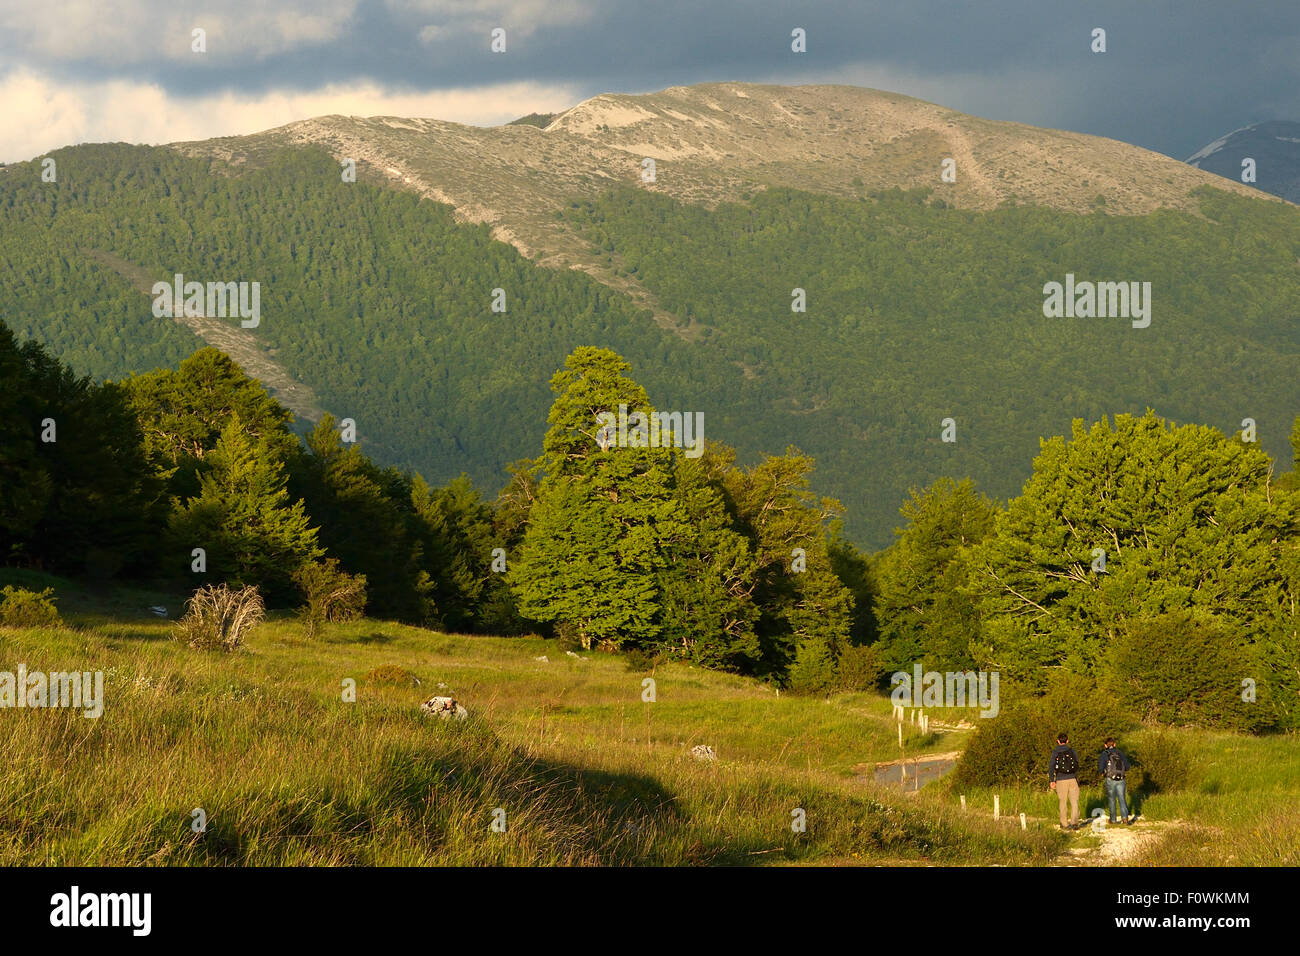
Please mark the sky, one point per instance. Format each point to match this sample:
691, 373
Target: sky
1176, 74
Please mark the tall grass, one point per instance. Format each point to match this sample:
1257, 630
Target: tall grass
286, 771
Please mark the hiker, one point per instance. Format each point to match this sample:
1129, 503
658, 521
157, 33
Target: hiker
1113, 766
1063, 776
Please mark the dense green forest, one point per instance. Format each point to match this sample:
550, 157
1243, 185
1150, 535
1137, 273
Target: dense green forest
382, 304
1157, 566
193, 476
917, 313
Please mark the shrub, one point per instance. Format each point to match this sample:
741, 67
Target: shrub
1178, 669
332, 595
1163, 763
20, 607
813, 670
638, 661
1014, 747
858, 668
1008, 748
217, 618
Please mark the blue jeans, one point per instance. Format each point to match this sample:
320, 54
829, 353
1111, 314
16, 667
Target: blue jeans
1115, 791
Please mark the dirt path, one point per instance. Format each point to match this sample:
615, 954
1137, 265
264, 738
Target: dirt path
1119, 845
239, 343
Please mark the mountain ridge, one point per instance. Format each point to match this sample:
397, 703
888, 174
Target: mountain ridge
721, 141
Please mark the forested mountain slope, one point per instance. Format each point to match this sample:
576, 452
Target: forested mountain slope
921, 305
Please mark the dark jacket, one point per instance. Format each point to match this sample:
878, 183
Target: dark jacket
1051, 763
1106, 752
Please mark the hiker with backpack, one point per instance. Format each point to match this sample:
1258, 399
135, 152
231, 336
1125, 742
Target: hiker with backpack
1114, 767
1063, 777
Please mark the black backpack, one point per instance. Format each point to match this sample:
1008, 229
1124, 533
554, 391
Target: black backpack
1065, 762
1114, 766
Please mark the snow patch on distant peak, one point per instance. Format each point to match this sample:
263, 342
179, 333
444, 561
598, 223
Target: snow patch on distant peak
1214, 147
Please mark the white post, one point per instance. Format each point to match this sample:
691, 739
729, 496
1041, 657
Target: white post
900, 735
996, 809
1023, 825
963, 803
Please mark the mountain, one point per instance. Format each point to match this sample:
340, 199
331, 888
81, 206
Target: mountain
924, 298
1275, 148
725, 141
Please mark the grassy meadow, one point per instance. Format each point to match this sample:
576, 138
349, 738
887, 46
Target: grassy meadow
287, 772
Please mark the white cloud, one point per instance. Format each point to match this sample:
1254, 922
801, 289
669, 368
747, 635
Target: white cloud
42, 115
150, 31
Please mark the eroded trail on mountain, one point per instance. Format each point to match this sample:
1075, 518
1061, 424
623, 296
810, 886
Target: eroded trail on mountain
239, 343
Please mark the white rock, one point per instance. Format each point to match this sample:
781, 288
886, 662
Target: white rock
703, 752
444, 707
544, 659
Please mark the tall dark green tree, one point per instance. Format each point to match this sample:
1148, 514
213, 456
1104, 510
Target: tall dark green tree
707, 580
184, 411
75, 494
457, 530
1184, 519
805, 607
250, 530
924, 613
590, 555
366, 520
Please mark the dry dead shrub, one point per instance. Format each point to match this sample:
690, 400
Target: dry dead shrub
217, 618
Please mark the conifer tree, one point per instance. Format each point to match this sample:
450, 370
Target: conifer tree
591, 552
366, 520
243, 518
707, 581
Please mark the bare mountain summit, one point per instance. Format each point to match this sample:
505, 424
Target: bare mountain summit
720, 141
